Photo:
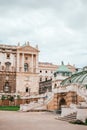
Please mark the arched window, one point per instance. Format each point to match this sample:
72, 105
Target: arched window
8, 64
6, 87
26, 67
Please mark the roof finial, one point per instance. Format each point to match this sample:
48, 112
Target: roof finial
28, 43
18, 43
62, 63
37, 46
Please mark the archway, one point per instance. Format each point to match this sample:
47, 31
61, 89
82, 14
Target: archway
62, 102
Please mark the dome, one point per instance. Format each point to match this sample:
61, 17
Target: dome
63, 69
80, 78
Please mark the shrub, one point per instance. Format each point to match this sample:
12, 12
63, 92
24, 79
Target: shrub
78, 122
86, 120
3, 97
11, 98
18, 97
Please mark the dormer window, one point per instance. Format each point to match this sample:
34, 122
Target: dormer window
8, 56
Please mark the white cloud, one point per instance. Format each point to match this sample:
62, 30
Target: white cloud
58, 27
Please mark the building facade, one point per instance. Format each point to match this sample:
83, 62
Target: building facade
7, 69
19, 69
46, 71
21, 72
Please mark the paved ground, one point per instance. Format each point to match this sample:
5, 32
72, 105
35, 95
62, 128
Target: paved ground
34, 121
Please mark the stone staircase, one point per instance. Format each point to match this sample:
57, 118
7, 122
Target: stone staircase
68, 118
41, 105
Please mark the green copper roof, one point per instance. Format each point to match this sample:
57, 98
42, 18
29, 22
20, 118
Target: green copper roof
80, 77
63, 68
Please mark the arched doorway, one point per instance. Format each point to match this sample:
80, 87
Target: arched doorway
62, 102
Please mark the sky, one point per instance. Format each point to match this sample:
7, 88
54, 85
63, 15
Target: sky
59, 27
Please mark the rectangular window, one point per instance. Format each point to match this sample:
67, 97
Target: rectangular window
8, 56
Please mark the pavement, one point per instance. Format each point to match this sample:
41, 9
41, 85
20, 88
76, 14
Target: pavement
34, 121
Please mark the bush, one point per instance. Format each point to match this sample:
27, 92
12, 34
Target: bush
11, 98
18, 97
3, 97
9, 108
86, 120
78, 122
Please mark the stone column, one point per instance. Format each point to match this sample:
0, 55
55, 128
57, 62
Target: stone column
18, 60
32, 63
22, 62
37, 63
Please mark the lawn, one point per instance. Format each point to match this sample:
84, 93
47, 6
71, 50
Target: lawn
9, 108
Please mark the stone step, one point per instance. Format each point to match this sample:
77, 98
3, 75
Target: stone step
70, 117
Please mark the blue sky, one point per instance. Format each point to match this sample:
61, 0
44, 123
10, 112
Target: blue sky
59, 27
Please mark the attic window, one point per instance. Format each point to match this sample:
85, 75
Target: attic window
8, 56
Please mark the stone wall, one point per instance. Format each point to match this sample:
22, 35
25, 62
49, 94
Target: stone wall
9, 77
64, 99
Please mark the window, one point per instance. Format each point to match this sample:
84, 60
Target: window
8, 56
26, 89
7, 66
26, 67
6, 87
46, 79
40, 71
55, 75
55, 85
46, 71
40, 79
2, 67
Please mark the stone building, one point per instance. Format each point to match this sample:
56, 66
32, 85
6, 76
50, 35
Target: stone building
27, 79
51, 75
7, 69
19, 69
46, 70
59, 75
